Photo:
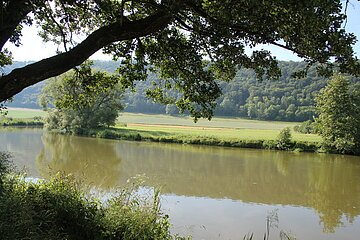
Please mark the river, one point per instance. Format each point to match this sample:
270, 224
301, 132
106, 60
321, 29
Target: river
210, 192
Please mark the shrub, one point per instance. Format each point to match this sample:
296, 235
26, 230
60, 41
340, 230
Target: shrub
306, 146
106, 133
5, 163
284, 139
56, 209
136, 137
270, 144
121, 124
126, 218
5, 167
305, 127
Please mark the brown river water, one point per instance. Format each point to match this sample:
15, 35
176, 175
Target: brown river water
210, 192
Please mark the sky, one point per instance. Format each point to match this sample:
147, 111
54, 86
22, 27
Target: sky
33, 49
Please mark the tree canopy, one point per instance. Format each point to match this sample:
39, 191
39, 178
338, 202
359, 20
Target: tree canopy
338, 105
82, 99
191, 43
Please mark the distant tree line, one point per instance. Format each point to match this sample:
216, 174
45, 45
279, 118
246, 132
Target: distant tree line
286, 99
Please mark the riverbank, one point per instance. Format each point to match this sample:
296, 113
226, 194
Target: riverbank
22, 122
133, 133
226, 132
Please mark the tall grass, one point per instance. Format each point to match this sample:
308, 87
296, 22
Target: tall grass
272, 221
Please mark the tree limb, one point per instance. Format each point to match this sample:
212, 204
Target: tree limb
11, 16
241, 29
21, 78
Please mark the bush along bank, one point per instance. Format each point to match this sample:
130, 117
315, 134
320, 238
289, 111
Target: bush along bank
21, 122
133, 135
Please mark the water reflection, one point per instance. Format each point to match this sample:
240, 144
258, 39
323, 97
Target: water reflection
94, 162
326, 183
329, 184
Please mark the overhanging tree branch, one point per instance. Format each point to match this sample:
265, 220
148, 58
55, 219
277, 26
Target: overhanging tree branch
21, 78
11, 16
221, 29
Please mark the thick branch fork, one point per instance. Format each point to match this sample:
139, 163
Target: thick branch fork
21, 78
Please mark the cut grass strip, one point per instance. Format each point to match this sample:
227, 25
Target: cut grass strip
229, 134
24, 113
215, 122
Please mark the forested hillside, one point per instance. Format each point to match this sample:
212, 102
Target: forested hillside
286, 99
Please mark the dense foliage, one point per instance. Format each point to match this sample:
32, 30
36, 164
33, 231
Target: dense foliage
284, 141
83, 99
306, 127
177, 39
338, 105
285, 99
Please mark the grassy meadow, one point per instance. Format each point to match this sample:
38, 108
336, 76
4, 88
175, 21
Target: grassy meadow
220, 128
155, 126
216, 122
24, 113
19, 117
219, 133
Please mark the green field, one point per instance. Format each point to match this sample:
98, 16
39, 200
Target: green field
24, 113
227, 129
217, 122
222, 128
227, 134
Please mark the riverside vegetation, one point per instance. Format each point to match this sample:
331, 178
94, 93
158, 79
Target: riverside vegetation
279, 142
287, 98
60, 208
20, 122
254, 134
